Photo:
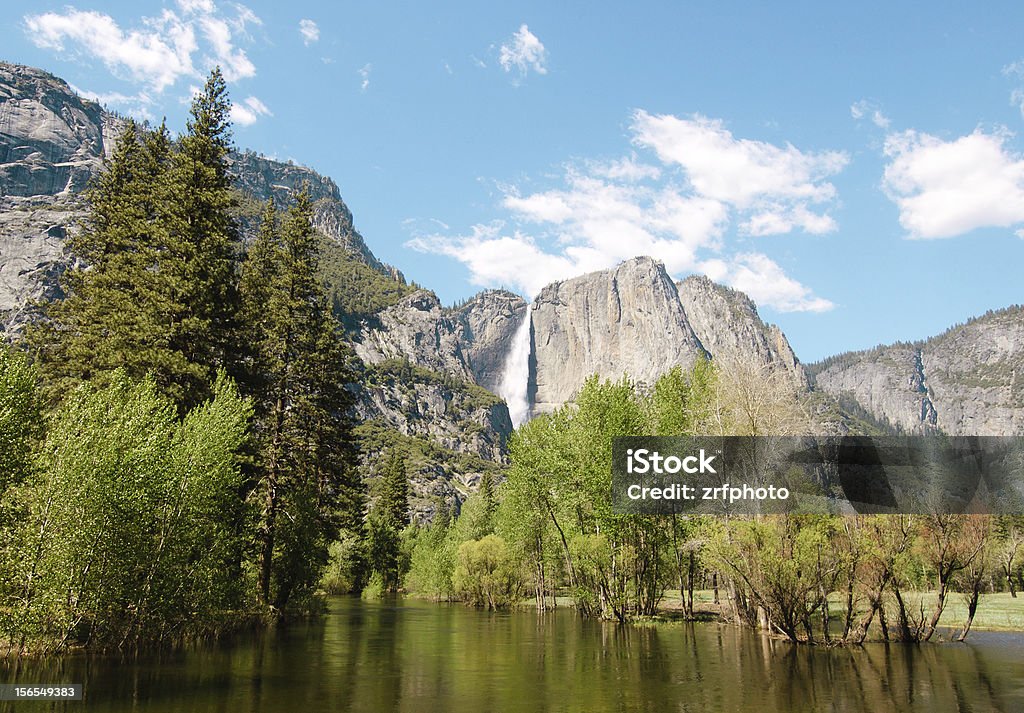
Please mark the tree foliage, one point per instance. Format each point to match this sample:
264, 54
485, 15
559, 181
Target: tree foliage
155, 289
129, 538
306, 486
144, 499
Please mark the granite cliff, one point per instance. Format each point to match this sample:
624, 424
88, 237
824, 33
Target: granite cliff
966, 381
627, 320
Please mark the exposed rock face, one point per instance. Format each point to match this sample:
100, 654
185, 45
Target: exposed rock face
623, 321
487, 324
728, 326
888, 383
51, 140
264, 178
416, 329
454, 419
963, 382
51, 144
32, 252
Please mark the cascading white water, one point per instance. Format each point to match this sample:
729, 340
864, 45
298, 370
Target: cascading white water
515, 374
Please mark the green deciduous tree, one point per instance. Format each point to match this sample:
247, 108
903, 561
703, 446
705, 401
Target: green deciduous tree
129, 539
487, 573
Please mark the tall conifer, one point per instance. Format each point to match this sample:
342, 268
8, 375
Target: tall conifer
204, 239
155, 291
307, 486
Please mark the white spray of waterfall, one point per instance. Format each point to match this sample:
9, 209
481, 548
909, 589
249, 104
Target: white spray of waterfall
515, 374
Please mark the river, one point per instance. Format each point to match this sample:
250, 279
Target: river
419, 657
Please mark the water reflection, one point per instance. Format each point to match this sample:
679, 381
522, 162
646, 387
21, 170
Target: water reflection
413, 656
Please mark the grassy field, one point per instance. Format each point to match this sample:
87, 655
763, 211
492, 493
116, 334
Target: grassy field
996, 612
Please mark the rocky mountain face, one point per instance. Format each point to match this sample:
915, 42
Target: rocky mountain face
486, 326
627, 320
635, 320
728, 327
261, 178
965, 381
417, 330
52, 142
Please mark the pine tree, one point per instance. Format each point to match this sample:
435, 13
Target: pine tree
388, 517
156, 290
204, 239
110, 318
306, 485
393, 494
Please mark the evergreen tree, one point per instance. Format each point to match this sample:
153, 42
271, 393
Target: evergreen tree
111, 316
393, 495
388, 518
306, 487
156, 291
204, 239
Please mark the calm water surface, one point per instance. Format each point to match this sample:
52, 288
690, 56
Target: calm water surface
420, 657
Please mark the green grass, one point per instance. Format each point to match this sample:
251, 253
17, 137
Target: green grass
996, 612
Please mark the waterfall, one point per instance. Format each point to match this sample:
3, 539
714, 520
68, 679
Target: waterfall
515, 374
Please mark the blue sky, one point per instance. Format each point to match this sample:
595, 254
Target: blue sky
857, 170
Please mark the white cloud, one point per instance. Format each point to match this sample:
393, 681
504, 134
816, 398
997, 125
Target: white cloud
310, 32
737, 171
765, 282
197, 6
157, 56
364, 72
947, 188
497, 259
161, 50
609, 211
627, 168
234, 62
864, 108
523, 52
246, 112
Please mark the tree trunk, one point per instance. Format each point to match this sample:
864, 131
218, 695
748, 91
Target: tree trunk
972, 608
940, 604
882, 622
904, 621
691, 570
